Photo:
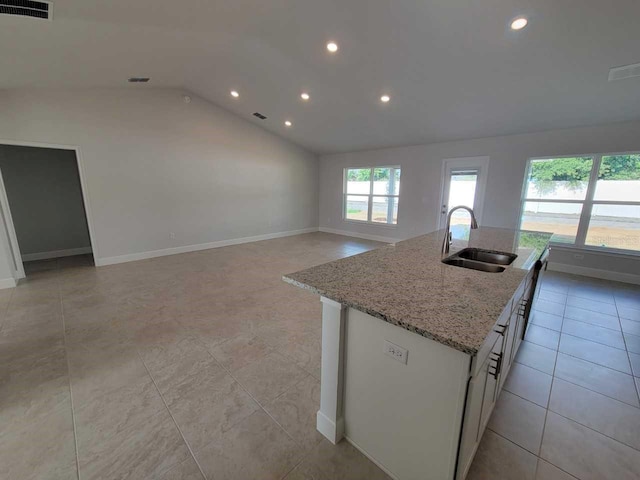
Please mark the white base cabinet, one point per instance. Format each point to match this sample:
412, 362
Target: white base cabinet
419, 420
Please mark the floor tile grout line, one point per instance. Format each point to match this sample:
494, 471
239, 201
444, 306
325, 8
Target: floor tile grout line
184, 439
593, 429
599, 364
294, 467
628, 356
66, 355
574, 356
592, 341
262, 407
551, 391
594, 324
621, 332
523, 398
549, 409
546, 413
595, 391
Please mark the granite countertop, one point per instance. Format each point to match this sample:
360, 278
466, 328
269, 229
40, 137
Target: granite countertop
407, 285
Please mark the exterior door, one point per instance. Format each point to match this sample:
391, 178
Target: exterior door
463, 183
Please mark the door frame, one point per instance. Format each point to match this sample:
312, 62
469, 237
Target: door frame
11, 230
479, 163
4, 201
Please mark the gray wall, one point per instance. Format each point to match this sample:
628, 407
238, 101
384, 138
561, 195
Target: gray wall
422, 170
154, 165
45, 197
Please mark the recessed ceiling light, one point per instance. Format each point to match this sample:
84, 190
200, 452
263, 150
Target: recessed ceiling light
332, 47
304, 96
385, 98
234, 94
287, 123
519, 23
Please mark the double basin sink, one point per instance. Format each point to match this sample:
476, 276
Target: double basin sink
481, 259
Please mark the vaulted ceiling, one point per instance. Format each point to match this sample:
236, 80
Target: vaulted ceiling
452, 68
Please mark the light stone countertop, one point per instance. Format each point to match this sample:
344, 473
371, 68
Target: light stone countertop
407, 285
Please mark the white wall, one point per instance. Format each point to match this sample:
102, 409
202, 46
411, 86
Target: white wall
421, 177
43, 188
155, 165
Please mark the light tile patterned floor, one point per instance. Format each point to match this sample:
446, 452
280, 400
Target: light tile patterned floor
206, 365
202, 365
570, 407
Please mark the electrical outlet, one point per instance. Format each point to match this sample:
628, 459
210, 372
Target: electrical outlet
172, 236
578, 256
396, 352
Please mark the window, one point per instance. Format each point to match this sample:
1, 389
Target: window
371, 194
591, 201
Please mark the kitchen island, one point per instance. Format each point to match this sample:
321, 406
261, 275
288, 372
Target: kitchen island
415, 351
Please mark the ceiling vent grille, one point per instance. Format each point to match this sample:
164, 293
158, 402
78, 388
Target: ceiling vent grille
27, 8
138, 79
626, 71
259, 115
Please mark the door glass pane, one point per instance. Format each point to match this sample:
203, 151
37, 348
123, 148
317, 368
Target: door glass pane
559, 178
619, 178
615, 226
386, 181
356, 207
385, 210
462, 191
559, 218
359, 180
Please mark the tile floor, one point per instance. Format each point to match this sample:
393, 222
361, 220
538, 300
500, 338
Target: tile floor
206, 365
570, 407
202, 365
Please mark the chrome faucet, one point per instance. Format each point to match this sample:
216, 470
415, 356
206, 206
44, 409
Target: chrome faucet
447, 234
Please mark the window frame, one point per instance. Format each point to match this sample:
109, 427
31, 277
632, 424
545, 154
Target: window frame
369, 197
587, 203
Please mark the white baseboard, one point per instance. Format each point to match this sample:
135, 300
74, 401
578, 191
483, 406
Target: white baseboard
7, 283
595, 272
29, 257
332, 431
376, 238
100, 262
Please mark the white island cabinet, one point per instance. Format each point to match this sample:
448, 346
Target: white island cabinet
411, 379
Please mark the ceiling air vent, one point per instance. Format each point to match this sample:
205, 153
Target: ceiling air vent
136, 79
27, 8
259, 115
626, 71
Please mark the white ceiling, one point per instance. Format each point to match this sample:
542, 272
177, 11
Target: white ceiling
452, 67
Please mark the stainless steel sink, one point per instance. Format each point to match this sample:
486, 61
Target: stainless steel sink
487, 256
456, 261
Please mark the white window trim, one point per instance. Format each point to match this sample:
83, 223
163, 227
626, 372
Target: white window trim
370, 196
587, 203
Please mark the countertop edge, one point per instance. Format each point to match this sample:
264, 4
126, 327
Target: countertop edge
423, 333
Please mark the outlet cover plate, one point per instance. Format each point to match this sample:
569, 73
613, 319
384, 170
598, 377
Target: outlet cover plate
395, 351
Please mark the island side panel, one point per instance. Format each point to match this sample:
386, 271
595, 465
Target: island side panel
329, 419
407, 417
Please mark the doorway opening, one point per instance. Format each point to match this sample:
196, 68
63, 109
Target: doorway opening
43, 208
463, 183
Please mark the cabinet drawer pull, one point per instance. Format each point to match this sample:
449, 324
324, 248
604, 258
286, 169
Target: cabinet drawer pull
522, 308
500, 329
496, 357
